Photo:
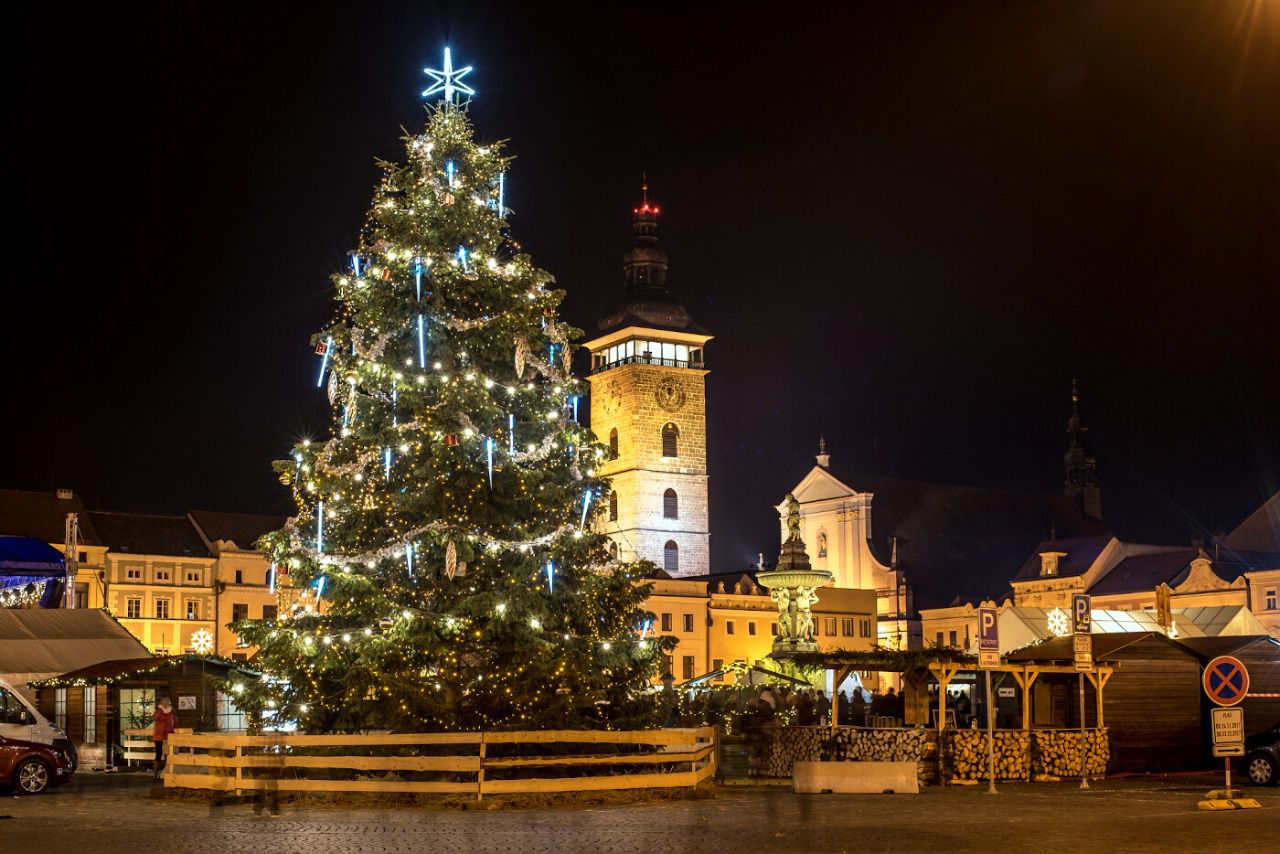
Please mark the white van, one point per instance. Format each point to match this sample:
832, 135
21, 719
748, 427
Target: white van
22, 722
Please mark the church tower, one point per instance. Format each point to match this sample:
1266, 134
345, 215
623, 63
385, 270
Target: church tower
648, 405
1080, 465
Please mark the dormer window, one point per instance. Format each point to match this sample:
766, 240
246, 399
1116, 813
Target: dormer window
1049, 563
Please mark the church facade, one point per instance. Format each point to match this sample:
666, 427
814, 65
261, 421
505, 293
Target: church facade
923, 546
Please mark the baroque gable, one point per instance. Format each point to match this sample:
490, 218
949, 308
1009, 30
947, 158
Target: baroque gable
1202, 579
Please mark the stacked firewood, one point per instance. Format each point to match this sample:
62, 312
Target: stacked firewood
1056, 752
844, 744
968, 754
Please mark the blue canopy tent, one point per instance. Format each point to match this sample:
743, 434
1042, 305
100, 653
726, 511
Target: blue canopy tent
26, 562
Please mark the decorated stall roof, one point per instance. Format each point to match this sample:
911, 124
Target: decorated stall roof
107, 672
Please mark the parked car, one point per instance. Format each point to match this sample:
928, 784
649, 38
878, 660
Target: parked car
1262, 757
31, 767
21, 721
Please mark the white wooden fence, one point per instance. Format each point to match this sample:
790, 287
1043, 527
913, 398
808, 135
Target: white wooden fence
459, 763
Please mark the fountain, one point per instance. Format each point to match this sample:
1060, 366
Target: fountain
793, 585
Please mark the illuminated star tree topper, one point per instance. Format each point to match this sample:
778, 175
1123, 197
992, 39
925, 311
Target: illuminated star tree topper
447, 80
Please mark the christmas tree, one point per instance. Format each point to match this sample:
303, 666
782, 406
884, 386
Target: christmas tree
443, 532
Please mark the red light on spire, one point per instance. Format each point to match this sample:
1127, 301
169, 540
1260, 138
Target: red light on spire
645, 207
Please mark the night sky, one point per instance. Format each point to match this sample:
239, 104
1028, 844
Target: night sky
908, 225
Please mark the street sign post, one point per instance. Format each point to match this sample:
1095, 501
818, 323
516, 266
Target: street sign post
988, 659
1082, 623
1226, 682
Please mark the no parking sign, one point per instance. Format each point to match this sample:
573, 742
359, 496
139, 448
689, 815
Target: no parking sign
1226, 680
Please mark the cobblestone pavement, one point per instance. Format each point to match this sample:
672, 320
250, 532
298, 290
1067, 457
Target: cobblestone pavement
119, 815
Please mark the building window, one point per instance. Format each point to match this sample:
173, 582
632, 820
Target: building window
846, 626
133, 609
670, 440
670, 662
162, 609
670, 505
773, 629
951, 638
687, 666
613, 442
133, 573
60, 708
239, 576
270, 612
939, 639
864, 628
90, 714
613, 550
193, 609
193, 576
829, 626
728, 627
688, 622
239, 611
717, 664
162, 574
751, 627
84, 557
1271, 600
666, 622
671, 557
613, 506
822, 544
228, 716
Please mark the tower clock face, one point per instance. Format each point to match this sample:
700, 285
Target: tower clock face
612, 400
670, 395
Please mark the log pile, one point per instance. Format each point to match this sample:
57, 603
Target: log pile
968, 754
844, 744
1056, 752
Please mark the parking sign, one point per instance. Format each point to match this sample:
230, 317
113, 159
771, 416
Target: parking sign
988, 638
1082, 613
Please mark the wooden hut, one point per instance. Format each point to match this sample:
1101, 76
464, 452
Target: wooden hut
124, 693
1151, 703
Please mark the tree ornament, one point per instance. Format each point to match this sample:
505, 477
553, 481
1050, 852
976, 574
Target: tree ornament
451, 439
522, 354
450, 560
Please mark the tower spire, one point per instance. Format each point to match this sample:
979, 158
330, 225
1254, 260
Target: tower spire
824, 459
1080, 466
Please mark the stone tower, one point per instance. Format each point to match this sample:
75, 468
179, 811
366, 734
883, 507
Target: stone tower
648, 405
1081, 467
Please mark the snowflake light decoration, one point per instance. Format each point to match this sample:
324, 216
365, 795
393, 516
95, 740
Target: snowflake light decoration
1058, 622
202, 641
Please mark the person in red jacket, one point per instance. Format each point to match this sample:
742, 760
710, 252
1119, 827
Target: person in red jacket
165, 722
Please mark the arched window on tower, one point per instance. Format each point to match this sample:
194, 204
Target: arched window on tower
670, 440
613, 506
613, 550
613, 442
671, 557
670, 505
822, 544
